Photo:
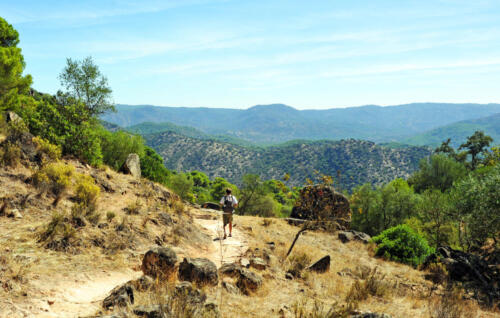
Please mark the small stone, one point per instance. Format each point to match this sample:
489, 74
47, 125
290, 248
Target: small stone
230, 288
288, 276
245, 262
248, 281
258, 263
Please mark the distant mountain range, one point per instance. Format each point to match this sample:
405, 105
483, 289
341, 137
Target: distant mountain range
458, 132
351, 162
277, 123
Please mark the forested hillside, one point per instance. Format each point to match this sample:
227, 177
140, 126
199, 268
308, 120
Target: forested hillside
458, 132
353, 162
267, 124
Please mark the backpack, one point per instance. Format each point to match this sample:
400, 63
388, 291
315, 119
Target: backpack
228, 203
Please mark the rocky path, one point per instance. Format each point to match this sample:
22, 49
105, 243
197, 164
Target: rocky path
222, 251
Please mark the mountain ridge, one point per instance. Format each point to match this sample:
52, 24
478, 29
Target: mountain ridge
276, 123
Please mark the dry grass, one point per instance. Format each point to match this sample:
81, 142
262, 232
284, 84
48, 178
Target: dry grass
452, 305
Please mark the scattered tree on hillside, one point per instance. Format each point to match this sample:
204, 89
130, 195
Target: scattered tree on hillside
437, 172
476, 145
12, 83
83, 81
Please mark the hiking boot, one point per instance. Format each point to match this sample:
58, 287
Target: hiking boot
225, 236
230, 235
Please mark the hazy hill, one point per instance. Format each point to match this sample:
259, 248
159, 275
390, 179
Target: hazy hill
357, 161
278, 123
459, 131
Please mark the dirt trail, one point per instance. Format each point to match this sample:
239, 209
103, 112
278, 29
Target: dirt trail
82, 294
221, 251
70, 297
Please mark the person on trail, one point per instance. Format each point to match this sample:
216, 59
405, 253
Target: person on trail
228, 203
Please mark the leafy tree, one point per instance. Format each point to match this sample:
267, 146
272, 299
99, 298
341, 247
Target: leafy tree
437, 172
435, 212
252, 194
12, 83
84, 82
116, 146
398, 202
446, 148
182, 186
199, 179
476, 203
366, 213
219, 186
476, 145
152, 166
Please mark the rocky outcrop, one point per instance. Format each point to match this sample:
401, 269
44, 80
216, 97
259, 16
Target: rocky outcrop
211, 205
132, 165
190, 294
120, 296
321, 266
198, 270
348, 236
320, 202
230, 269
159, 262
472, 270
151, 311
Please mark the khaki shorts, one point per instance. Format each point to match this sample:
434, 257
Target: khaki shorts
227, 217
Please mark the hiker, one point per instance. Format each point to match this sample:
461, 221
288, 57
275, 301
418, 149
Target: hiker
228, 203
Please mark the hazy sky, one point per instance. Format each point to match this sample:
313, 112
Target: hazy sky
307, 54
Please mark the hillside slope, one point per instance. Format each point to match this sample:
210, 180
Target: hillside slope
278, 123
458, 132
356, 161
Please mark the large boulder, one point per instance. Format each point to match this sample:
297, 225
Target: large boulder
347, 236
132, 165
159, 262
248, 281
321, 266
320, 202
120, 296
201, 271
211, 205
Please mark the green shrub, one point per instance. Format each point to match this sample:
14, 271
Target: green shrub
10, 155
402, 244
110, 215
55, 177
53, 152
86, 191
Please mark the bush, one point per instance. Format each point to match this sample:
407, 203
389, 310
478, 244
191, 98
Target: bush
402, 244
10, 155
110, 215
58, 234
53, 152
55, 177
86, 191
374, 285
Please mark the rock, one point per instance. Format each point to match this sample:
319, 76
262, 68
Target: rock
289, 276
248, 281
230, 288
319, 202
151, 311
231, 269
121, 296
210, 309
14, 213
245, 262
258, 263
321, 266
211, 205
132, 165
271, 245
347, 236
165, 219
144, 283
159, 262
198, 270
13, 117
190, 294
103, 225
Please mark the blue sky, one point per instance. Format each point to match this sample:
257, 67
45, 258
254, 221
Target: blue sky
307, 54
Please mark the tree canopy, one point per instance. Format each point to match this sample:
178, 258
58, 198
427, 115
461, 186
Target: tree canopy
83, 80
